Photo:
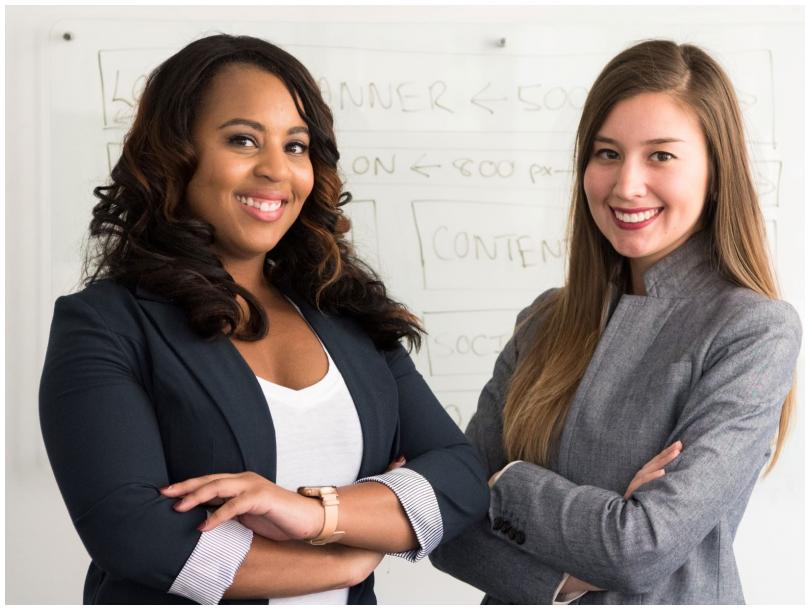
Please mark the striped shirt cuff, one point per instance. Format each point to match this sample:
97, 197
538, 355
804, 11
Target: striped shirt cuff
213, 563
421, 507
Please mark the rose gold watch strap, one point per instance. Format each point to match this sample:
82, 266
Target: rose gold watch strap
329, 531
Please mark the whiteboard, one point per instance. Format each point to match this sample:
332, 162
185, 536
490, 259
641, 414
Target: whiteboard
458, 152
456, 143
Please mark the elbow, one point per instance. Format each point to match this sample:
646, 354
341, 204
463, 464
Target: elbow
132, 534
640, 570
481, 502
451, 556
437, 558
480, 494
471, 495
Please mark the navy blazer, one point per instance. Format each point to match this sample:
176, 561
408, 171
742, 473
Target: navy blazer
132, 399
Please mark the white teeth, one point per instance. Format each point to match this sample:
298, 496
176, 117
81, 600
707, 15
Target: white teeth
262, 205
270, 207
636, 216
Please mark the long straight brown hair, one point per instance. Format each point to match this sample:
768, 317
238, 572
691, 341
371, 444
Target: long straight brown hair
549, 373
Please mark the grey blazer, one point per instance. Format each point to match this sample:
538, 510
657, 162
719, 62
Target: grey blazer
698, 360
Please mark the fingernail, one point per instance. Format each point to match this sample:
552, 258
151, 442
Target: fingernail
165, 488
201, 526
176, 505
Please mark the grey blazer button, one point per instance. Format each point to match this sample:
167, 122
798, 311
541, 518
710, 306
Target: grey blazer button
512, 533
521, 538
497, 524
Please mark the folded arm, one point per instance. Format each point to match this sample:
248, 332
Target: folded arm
726, 427
104, 443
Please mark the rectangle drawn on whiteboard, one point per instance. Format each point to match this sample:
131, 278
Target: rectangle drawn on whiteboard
460, 405
489, 246
466, 342
114, 150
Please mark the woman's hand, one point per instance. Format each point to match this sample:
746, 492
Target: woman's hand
397, 463
263, 506
654, 469
573, 584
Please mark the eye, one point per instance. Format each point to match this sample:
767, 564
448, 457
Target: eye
607, 154
297, 148
661, 155
242, 141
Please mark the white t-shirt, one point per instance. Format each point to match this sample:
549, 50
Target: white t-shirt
318, 442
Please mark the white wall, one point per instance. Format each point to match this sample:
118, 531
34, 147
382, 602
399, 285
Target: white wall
55, 152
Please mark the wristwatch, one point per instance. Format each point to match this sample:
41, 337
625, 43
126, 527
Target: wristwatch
329, 498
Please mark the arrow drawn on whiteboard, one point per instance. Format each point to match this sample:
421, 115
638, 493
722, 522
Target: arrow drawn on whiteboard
418, 168
477, 100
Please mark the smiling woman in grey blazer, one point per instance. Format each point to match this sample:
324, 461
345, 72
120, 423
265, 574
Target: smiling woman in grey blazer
667, 335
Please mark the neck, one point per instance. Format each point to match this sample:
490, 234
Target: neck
249, 274
637, 271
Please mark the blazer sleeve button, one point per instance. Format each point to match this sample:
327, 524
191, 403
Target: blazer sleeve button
497, 524
520, 538
512, 533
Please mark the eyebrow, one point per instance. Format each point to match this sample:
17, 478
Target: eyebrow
259, 127
653, 141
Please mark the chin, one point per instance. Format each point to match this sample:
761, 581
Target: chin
633, 248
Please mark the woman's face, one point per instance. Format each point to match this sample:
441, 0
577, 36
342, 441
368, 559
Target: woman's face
647, 177
254, 170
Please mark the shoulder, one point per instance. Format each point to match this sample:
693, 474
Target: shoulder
747, 319
742, 307
99, 293
102, 303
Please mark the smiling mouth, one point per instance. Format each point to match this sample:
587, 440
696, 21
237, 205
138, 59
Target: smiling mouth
263, 205
636, 216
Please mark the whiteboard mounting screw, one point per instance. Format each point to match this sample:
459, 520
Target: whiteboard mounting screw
67, 36
501, 42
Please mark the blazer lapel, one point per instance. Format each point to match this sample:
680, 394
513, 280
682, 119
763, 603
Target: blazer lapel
226, 377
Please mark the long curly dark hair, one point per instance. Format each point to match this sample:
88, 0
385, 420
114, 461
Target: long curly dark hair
143, 233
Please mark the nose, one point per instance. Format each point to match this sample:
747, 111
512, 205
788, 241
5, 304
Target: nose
272, 163
631, 181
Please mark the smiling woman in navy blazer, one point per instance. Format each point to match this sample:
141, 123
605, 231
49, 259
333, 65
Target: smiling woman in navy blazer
228, 348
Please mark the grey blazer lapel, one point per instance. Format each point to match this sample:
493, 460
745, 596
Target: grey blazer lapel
621, 351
